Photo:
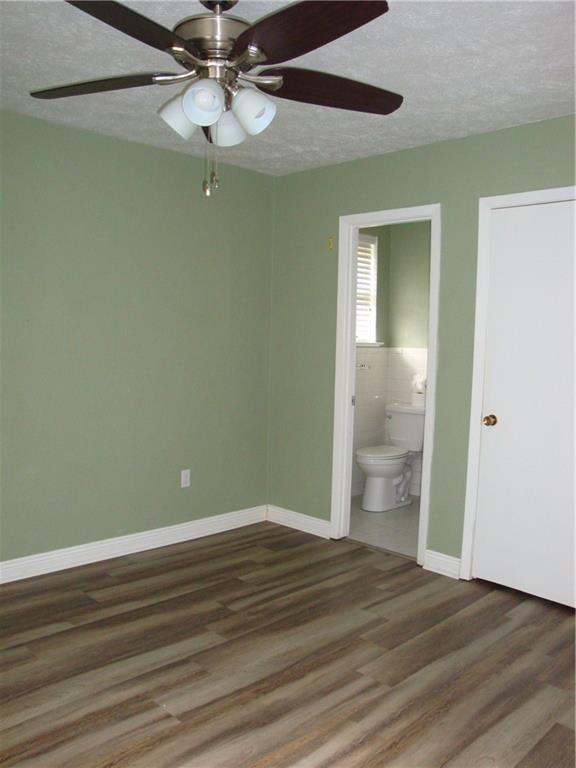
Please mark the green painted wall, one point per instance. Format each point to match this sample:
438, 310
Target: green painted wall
140, 336
304, 276
403, 283
135, 338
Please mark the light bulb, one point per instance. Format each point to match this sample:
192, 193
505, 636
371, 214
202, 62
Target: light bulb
203, 102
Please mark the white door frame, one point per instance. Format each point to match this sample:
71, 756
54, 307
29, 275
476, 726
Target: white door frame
485, 208
346, 360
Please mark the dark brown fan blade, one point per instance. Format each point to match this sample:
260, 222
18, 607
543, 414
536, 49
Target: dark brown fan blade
96, 86
332, 91
131, 23
305, 26
207, 134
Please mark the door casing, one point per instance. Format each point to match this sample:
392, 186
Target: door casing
346, 361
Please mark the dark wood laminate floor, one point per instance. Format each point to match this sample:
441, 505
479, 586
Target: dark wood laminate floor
266, 647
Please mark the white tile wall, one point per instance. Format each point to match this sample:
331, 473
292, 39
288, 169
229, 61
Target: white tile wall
402, 365
383, 375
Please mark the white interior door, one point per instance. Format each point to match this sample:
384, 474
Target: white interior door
524, 535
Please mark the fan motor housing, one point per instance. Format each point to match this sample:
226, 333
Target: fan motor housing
213, 34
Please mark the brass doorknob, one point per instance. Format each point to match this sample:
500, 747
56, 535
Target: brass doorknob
489, 421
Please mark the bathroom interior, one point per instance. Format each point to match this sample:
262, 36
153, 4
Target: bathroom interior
392, 295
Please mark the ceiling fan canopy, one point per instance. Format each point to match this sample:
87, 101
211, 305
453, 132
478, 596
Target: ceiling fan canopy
223, 58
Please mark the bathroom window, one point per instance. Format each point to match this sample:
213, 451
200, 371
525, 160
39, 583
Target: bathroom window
366, 289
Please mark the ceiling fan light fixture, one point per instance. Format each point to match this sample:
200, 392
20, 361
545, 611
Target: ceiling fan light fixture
218, 53
228, 132
203, 102
174, 116
254, 110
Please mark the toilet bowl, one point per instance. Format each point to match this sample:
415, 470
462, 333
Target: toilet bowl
382, 465
388, 468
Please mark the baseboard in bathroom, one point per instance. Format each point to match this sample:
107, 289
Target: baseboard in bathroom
357, 490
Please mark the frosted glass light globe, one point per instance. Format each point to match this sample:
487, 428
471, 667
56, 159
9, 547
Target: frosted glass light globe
253, 110
173, 115
228, 132
203, 102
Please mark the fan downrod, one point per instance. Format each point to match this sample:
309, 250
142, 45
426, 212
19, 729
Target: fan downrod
218, 6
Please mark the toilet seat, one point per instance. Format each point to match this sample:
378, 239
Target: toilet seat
382, 452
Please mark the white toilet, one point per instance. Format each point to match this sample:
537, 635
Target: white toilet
388, 467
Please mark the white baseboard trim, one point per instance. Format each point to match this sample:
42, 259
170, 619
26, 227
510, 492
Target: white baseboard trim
444, 564
70, 557
300, 522
94, 551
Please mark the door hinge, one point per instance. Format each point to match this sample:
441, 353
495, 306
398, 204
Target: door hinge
353, 399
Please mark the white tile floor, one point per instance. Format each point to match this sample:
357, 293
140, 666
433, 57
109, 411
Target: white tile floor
395, 530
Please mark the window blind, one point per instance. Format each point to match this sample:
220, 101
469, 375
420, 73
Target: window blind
366, 287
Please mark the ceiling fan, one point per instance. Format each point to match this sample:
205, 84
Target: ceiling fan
219, 52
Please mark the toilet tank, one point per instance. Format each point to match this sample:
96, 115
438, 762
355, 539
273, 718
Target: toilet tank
405, 424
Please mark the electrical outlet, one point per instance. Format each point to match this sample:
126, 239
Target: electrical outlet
185, 478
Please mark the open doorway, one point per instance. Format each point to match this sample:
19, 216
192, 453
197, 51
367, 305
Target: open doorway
392, 290
385, 378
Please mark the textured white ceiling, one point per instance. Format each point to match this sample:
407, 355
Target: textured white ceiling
464, 67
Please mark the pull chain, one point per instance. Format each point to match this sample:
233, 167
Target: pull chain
211, 181
206, 187
214, 176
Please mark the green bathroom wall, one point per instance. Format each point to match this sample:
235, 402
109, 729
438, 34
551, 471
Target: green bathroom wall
135, 337
403, 283
304, 278
383, 285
